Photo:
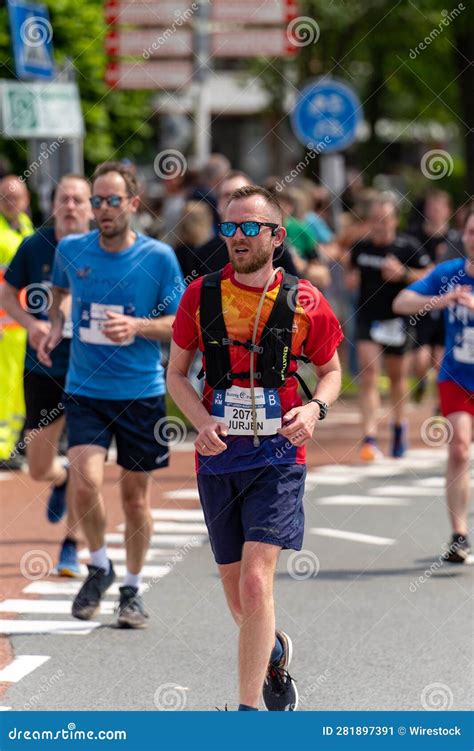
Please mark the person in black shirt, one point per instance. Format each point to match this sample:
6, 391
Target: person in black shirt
381, 265
440, 242
30, 270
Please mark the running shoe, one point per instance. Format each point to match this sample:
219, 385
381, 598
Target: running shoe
57, 501
279, 689
68, 564
131, 611
369, 451
458, 550
399, 440
87, 601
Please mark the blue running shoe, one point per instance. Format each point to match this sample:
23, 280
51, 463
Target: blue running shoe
57, 501
68, 564
399, 440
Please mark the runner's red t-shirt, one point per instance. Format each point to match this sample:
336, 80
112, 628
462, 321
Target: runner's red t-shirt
316, 334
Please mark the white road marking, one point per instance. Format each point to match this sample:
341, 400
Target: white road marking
47, 627
166, 541
65, 588
320, 478
178, 514
402, 490
430, 482
181, 528
120, 554
353, 536
21, 666
183, 494
148, 572
360, 500
56, 607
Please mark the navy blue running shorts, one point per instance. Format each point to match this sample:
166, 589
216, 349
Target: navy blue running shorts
138, 426
261, 505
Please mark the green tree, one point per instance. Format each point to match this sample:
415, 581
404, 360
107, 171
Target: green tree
118, 123
374, 46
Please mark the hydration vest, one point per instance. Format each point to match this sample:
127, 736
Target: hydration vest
273, 349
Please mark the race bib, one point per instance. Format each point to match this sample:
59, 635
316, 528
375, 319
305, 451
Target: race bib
390, 333
67, 329
465, 352
93, 316
234, 407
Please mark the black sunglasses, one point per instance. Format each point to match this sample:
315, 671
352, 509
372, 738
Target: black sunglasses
113, 201
249, 229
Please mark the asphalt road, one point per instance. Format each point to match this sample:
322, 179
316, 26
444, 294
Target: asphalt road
377, 620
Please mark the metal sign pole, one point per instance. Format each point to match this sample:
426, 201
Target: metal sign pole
202, 62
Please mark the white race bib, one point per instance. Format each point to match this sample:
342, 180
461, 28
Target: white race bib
390, 333
93, 315
234, 407
67, 329
465, 352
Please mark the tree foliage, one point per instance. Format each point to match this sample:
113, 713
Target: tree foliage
118, 123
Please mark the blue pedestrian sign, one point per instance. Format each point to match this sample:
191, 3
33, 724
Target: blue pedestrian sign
326, 115
32, 36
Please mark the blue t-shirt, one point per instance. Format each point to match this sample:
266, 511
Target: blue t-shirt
143, 280
458, 361
32, 267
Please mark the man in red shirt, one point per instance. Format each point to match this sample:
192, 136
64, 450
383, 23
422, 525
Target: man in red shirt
252, 427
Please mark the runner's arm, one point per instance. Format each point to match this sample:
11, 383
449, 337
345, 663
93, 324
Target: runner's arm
408, 302
58, 312
118, 328
10, 302
299, 422
184, 395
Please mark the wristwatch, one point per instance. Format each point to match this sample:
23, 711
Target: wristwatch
323, 408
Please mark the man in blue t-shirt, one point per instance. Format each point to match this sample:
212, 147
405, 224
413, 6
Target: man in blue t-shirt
449, 287
30, 270
124, 289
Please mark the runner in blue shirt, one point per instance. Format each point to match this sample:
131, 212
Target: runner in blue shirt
124, 289
30, 270
449, 287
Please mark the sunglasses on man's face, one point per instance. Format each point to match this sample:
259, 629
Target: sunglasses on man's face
113, 201
249, 229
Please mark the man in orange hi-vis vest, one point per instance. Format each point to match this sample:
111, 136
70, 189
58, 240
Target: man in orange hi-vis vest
15, 225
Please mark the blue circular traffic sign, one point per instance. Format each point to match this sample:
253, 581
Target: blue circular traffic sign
326, 115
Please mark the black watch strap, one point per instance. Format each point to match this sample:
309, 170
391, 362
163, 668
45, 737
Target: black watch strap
323, 408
